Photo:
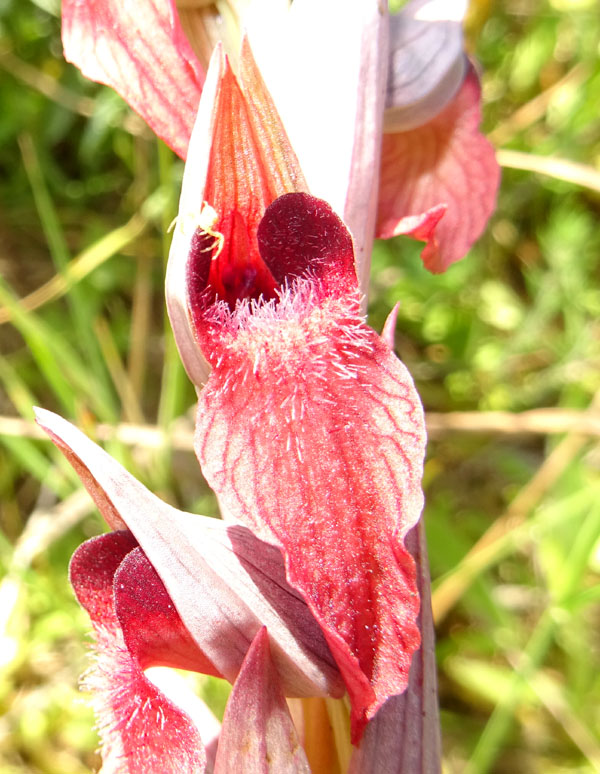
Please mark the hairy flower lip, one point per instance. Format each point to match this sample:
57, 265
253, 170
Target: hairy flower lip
151, 726
128, 706
309, 255
298, 379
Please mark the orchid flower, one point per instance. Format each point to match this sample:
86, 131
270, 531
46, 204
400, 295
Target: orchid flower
297, 376
333, 67
311, 433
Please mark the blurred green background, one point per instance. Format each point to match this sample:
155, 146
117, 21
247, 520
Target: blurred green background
86, 196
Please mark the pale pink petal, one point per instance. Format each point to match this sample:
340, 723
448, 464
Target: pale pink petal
447, 162
327, 68
389, 327
404, 736
138, 48
239, 578
258, 735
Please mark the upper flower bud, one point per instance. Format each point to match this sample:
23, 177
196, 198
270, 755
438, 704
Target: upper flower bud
427, 62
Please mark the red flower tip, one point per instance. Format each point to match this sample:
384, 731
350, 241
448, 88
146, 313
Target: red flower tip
301, 236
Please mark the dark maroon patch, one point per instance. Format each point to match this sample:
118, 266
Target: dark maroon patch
301, 235
153, 631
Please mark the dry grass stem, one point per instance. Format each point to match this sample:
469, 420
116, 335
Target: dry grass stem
81, 266
542, 421
560, 169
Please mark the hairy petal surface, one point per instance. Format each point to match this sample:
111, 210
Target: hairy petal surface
326, 462
140, 728
224, 582
138, 48
446, 162
310, 431
258, 735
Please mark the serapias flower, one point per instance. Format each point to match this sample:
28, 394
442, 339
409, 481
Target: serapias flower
308, 429
310, 432
438, 174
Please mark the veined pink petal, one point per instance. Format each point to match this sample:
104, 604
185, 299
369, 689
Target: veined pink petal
258, 735
138, 48
311, 432
239, 578
447, 162
140, 728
